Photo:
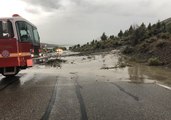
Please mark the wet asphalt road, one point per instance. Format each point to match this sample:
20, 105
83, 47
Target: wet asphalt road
43, 93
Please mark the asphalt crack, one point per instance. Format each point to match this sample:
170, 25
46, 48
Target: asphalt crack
123, 90
51, 103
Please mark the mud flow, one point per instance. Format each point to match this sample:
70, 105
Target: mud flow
110, 65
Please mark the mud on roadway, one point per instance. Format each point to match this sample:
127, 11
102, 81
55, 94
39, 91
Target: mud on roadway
79, 88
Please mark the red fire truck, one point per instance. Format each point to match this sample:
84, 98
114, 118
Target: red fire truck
18, 37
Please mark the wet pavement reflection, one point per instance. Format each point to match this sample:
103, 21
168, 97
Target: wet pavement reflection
6, 81
141, 73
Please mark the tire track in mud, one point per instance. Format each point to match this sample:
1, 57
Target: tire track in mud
49, 108
81, 100
123, 90
5, 82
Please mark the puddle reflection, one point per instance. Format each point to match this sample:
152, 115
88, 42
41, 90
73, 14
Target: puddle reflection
136, 74
140, 73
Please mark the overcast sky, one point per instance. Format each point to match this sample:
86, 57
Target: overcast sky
80, 21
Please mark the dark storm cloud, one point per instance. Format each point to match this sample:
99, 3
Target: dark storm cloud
80, 21
45, 4
76, 4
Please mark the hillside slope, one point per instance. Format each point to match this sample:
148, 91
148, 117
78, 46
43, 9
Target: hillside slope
151, 43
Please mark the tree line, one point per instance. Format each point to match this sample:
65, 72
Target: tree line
133, 36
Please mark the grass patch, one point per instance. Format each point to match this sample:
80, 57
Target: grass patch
154, 61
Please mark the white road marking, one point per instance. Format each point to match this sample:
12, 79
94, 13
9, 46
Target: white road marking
164, 86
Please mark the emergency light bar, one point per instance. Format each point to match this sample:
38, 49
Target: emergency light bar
15, 15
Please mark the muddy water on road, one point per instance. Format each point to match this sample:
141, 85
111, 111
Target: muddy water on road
140, 73
92, 66
136, 73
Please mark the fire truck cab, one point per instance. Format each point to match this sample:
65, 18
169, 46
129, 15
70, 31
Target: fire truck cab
18, 37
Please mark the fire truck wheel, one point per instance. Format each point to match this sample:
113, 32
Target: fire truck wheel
11, 75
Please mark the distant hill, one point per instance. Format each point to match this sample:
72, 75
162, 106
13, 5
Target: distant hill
49, 45
168, 24
167, 21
